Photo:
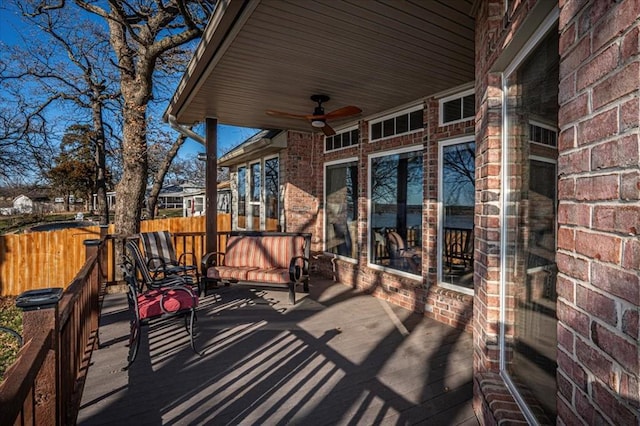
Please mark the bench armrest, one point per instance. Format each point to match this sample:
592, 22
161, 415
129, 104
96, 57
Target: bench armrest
298, 269
182, 260
208, 260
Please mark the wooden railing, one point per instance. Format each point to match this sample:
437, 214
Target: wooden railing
45, 384
51, 259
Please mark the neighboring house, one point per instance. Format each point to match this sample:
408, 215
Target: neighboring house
492, 181
194, 203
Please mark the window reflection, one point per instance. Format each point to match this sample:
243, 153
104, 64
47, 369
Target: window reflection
457, 196
271, 191
530, 215
242, 197
396, 211
341, 209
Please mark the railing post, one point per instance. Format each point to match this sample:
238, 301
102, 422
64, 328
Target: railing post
40, 315
92, 247
104, 230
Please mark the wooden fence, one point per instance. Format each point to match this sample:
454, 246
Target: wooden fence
52, 259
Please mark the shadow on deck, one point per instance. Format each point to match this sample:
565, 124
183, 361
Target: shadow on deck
336, 357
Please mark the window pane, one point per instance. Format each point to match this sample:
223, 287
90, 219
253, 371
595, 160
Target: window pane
271, 193
242, 197
451, 111
469, 106
416, 120
341, 209
328, 143
396, 211
458, 201
402, 123
355, 135
255, 182
376, 131
530, 215
388, 129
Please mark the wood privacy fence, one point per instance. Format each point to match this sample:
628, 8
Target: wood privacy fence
52, 259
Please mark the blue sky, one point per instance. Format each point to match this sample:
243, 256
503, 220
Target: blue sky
11, 29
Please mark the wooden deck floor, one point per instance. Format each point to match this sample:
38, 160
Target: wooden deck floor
336, 357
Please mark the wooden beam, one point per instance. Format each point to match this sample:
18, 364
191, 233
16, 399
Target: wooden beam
211, 191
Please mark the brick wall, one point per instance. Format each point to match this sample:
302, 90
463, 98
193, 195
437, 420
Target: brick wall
599, 213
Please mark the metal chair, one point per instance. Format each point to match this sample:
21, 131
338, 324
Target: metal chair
161, 255
156, 303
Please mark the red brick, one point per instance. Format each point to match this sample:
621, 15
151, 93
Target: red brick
565, 289
573, 319
617, 347
615, 86
573, 110
575, 162
574, 214
566, 188
631, 257
576, 57
593, 360
629, 46
587, 411
630, 114
567, 139
574, 372
599, 246
617, 282
617, 153
599, 66
618, 21
572, 266
567, 39
603, 307
612, 407
630, 324
630, 186
565, 338
597, 188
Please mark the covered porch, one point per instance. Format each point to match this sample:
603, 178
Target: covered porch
339, 356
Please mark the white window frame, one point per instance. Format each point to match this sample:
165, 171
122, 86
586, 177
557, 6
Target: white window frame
324, 208
441, 145
547, 25
371, 157
339, 131
442, 101
405, 111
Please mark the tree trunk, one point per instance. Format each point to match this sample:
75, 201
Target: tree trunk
130, 190
101, 163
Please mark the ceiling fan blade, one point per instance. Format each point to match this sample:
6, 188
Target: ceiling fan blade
287, 114
343, 112
328, 130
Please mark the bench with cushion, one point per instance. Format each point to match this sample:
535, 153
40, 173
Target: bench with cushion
263, 258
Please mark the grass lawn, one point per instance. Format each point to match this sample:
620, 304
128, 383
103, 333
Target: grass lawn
10, 317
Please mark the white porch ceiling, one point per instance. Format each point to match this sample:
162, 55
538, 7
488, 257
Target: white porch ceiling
274, 54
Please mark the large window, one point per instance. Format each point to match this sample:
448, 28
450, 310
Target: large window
341, 208
396, 181
259, 195
242, 197
528, 282
457, 201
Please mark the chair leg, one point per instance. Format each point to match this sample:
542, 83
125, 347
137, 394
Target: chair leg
292, 293
305, 286
134, 341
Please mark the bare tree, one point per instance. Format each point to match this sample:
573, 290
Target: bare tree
163, 166
70, 72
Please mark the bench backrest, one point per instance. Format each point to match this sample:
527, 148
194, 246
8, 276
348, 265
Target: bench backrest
264, 251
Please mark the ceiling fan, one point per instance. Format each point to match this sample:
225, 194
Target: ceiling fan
319, 119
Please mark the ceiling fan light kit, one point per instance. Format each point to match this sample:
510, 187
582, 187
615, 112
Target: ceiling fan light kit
319, 119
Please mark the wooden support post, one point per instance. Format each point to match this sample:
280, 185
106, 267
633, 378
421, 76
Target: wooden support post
211, 238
